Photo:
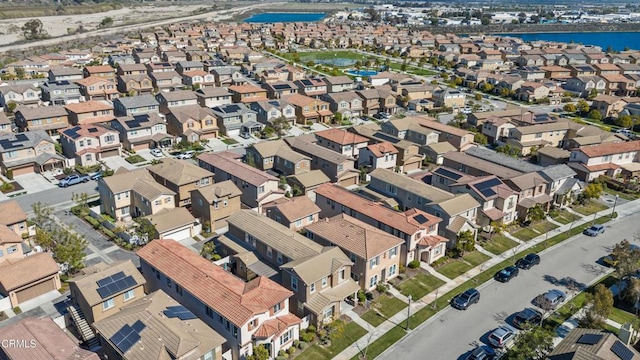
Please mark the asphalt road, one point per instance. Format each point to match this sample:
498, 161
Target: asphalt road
56, 196
451, 333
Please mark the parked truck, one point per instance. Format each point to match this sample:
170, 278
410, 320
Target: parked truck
73, 180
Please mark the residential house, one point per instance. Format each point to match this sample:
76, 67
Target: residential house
212, 96
277, 90
192, 123
497, 200
563, 185
531, 91
609, 105
532, 191
341, 141
269, 111
337, 84
347, 103
231, 117
65, 74
307, 182
474, 166
379, 155
295, 212
312, 87
339, 168
583, 85
90, 112
434, 152
309, 110
592, 343
28, 277
181, 177
184, 334
14, 218
496, 128
176, 224
526, 138
25, 95
418, 229
410, 128
143, 131
258, 187
28, 152
226, 75
10, 244
139, 84
276, 155
245, 314
40, 338
214, 203
373, 252
97, 88
319, 277
548, 156
93, 295
136, 105
198, 79
589, 162
166, 81
247, 93
409, 157
131, 69
60, 92
169, 100
90, 144
101, 71
377, 100
449, 98
49, 118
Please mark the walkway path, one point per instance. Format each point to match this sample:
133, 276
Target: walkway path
624, 210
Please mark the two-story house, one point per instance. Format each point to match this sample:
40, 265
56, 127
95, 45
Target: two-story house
339, 168
245, 314
138, 84
101, 71
563, 187
341, 141
170, 100
13, 217
337, 84
294, 213
90, 144
269, 111
212, 96
377, 100
497, 200
311, 87
347, 103
142, 131
375, 254
532, 191
192, 123
90, 112
247, 93
166, 81
181, 177
97, 88
49, 118
136, 105
65, 74
28, 152
417, 229
258, 187
10, 244
278, 156
526, 138
309, 110
25, 95
212, 204
61, 92
379, 155
609, 159
277, 90
231, 117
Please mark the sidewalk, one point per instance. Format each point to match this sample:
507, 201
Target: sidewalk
624, 210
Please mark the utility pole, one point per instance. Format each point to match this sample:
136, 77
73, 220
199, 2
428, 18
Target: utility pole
408, 312
614, 207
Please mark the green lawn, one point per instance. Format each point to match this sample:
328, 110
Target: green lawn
622, 317
499, 244
565, 217
475, 258
525, 234
328, 55
419, 286
229, 141
340, 340
622, 195
382, 308
590, 208
543, 226
383, 343
134, 159
457, 267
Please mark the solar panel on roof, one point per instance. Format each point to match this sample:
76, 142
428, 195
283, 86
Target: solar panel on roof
281, 86
487, 192
421, 219
109, 286
274, 103
306, 82
589, 339
138, 326
21, 137
125, 338
93, 130
232, 108
621, 351
488, 184
449, 174
103, 292
179, 312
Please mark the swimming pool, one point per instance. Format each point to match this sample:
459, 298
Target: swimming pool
362, 72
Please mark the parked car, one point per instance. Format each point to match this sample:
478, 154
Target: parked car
502, 337
551, 299
526, 317
482, 353
95, 176
528, 261
507, 274
156, 152
73, 180
186, 155
611, 261
466, 299
594, 230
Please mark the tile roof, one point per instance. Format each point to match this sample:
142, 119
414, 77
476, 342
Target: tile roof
89, 106
341, 136
171, 219
20, 272
502, 159
161, 337
610, 148
236, 168
219, 190
11, 213
314, 268
29, 113
178, 95
289, 242
51, 342
87, 282
225, 293
244, 89
9, 237
526, 181
138, 101
374, 210
293, 208
571, 348
28, 139
382, 148
275, 327
179, 172
482, 165
311, 178
299, 144
458, 204
428, 192
354, 235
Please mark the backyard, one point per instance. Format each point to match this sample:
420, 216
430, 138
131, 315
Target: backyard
419, 285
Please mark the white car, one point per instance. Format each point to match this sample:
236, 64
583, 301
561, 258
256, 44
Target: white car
156, 152
186, 155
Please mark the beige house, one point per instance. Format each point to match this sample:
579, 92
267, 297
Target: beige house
28, 152
308, 109
497, 200
277, 155
13, 217
181, 177
28, 277
48, 118
90, 144
175, 224
589, 162
374, 253
90, 112
294, 213
339, 168
98, 88
341, 141
10, 245
214, 203
192, 123
532, 191
525, 138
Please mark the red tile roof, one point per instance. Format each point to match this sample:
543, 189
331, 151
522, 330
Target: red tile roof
221, 291
275, 327
610, 148
342, 137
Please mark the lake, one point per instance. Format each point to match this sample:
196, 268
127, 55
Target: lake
617, 40
285, 17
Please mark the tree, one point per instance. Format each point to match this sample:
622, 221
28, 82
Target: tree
592, 191
595, 115
403, 66
44, 240
259, 353
69, 250
478, 96
626, 261
535, 343
625, 121
465, 242
570, 108
20, 73
106, 22
536, 213
598, 309
281, 125
583, 106
337, 117
373, 14
33, 29
42, 214
480, 138
11, 107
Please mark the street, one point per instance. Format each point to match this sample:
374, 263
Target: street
451, 333
55, 196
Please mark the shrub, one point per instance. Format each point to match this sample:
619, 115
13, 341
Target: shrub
361, 296
10, 174
307, 336
282, 354
108, 233
291, 350
402, 269
382, 288
311, 329
414, 264
296, 343
369, 295
96, 225
134, 159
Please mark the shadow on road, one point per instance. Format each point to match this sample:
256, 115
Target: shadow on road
567, 282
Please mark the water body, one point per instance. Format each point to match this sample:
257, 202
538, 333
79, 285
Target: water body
285, 17
617, 40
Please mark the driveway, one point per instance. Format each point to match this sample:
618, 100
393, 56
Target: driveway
34, 183
116, 162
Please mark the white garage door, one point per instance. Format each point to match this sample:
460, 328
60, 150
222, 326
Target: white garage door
179, 234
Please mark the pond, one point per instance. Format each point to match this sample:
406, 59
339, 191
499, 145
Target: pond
363, 73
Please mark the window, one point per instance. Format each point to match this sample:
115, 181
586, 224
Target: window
438, 250
340, 167
260, 189
1, 253
11, 154
286, 337
110, 138
277, 308
310, 218
298, 222
328, 312
108, 304
216, 204
279, 257
220, 319
374, 262
81, 143
88, 142
312, 288
179, 289
208, 356
341, 274
168, 282
235, 331
373, 281
167, 200
129, 295
392, 269
324, 282
269, 252
391, 189
158, 202
353, 258
205, 181
393, 252
294, 283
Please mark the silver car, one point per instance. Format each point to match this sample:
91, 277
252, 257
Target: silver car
502, 336
551, 299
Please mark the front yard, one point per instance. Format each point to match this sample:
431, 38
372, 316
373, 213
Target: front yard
590, 208
382, 308
534, 230
456, 267
419, 285
564, 216
498, 244
341, 338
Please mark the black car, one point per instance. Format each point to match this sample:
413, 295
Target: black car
527, 316
528, 261
507, 274
466, 299
482, 353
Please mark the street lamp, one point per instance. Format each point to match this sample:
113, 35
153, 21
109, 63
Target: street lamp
408, 312
614, 207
